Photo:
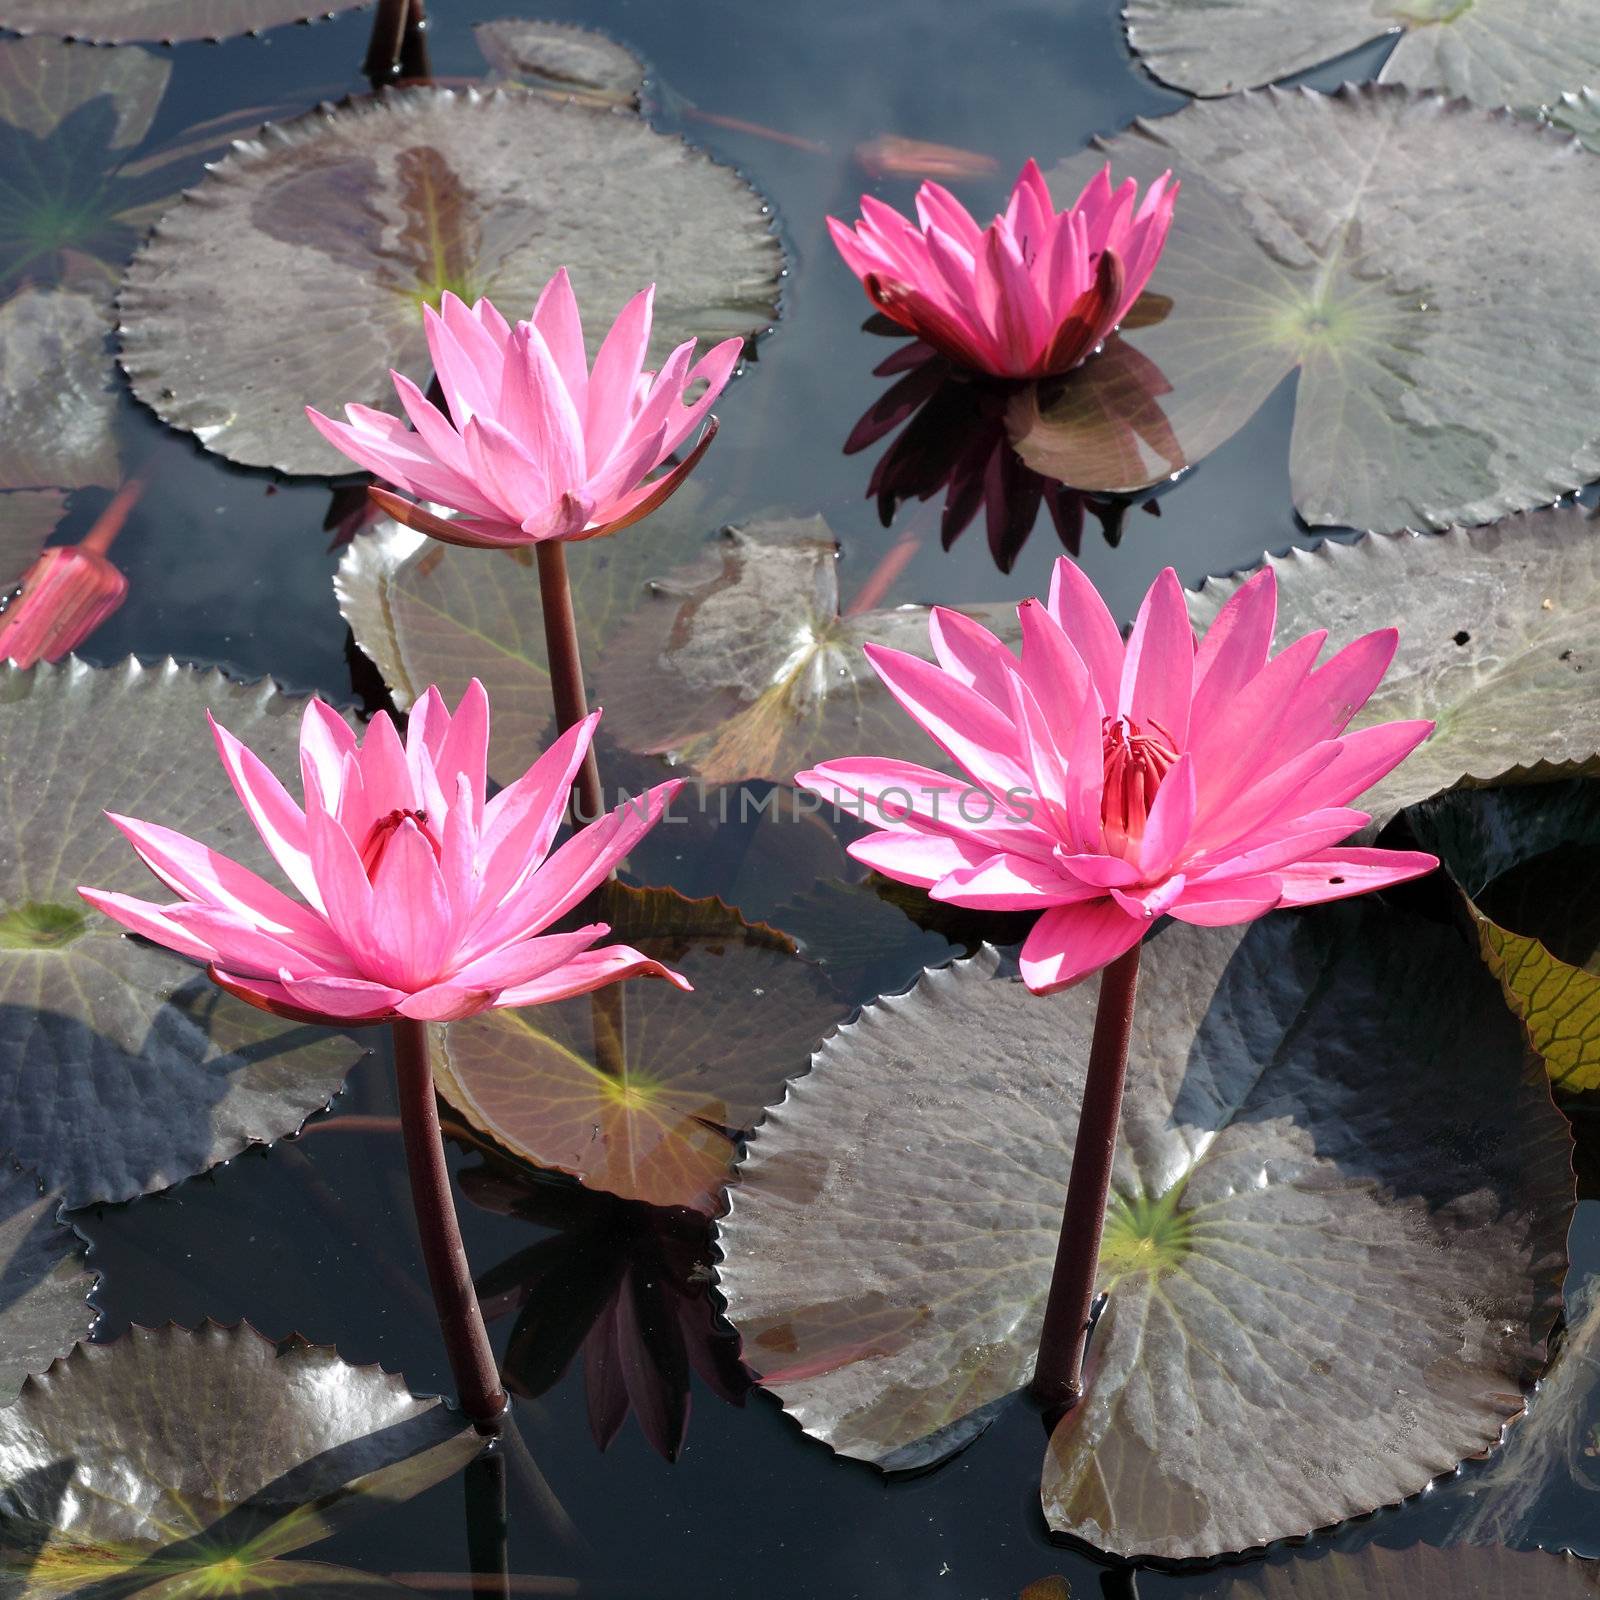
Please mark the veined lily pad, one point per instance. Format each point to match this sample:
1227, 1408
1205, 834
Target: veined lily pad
1391, 247
1334, 1252
122, 1068
1499, 627
42, 82
741, 666
160, 21
563, 59
1420, 1573
427, 613
294, 273
641, 1089
172, 1463
1497, 52
44, 1289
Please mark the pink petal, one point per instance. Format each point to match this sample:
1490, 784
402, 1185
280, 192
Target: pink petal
239, 944
464, 750
1068, 943
972, 655
529, 959
1076, 605
556, 317
1010, 883
1150, 902
1324, 704
149, 921
1361, 759
1337, 874
325, 740
615, 376
342, 999
412, 920
591, 970
1158, 667
1220, 905
1167, 828
539, 413
279, 821
1235, 646
920, 859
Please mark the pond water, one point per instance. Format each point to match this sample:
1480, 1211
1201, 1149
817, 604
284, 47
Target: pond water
233, 568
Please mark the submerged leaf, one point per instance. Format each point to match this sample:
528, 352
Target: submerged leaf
640, 1089
561, 58
294, 273
742, 666
123, 1069
1335, 1248
276, 1448
1420, 1573
1499, 630
160, 21
44, 1289
1393, 249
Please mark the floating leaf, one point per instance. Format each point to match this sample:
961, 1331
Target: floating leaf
42, 82
293, 274
277, 1446
427, 613
1499, 628
741, 665
44, 1290
1580, 114
563, 59
122, 1068
640, 1089
1420, 1573
160, 21
27, 518
1335, 1248
1393, 249
1508, 52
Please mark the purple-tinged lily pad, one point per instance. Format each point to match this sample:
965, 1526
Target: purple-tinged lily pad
174, 1463
1334, 1252
44, 1289
562, 59
160, 21
293, 274
122, 1068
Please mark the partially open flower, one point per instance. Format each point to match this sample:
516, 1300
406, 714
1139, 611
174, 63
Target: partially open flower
418, 897
1111, 784
536, 444
1030, 295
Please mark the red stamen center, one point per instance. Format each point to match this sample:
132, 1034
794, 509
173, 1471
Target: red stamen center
1135, 764
384, 829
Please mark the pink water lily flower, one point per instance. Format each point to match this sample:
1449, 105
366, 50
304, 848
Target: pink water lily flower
537, 445
1111, 784
418, 897
1030, 295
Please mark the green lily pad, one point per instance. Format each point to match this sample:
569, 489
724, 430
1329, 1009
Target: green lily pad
741, 665
640, 1089
44, 1289
1497, 52
1334, 1252
122, 1068
277, 1447
1499, 630
564, 59
1390, 248
160, 21
293, 274
427, 613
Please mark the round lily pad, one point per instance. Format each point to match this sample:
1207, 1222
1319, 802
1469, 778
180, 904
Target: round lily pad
160, 21
122, 1068
100, 1491
1391, 248
44, 1307
1334, 1251
640, 1089
563, 59
742, 666
292, 275
1499, 639
1497, 52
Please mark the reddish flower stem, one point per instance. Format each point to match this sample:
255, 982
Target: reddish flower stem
566, 670
455, 1300
398, 47
1058, 1375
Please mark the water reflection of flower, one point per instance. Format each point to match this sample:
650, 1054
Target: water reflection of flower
627, 1284
953, 439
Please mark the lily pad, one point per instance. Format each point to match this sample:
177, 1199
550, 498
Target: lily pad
427, 613
44, 1289
1580, 114
1392, 248
1499, 630
1497, 52
277, 1447
639, 1089
160, 21
1419, 1573
122, 1068
293, 273
42, 82
1334, 1253
27, 518
564, 59
741, 665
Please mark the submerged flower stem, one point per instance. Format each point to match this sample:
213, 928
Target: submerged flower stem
566, 670
1058, 1375
455, 1300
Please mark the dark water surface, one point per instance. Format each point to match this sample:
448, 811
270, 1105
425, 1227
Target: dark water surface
232, 567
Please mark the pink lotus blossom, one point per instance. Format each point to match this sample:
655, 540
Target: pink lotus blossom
1111, 784
1028, 296
418, 898
537, 445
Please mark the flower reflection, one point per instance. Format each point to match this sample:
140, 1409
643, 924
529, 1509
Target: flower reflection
953, 439
627, 1284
